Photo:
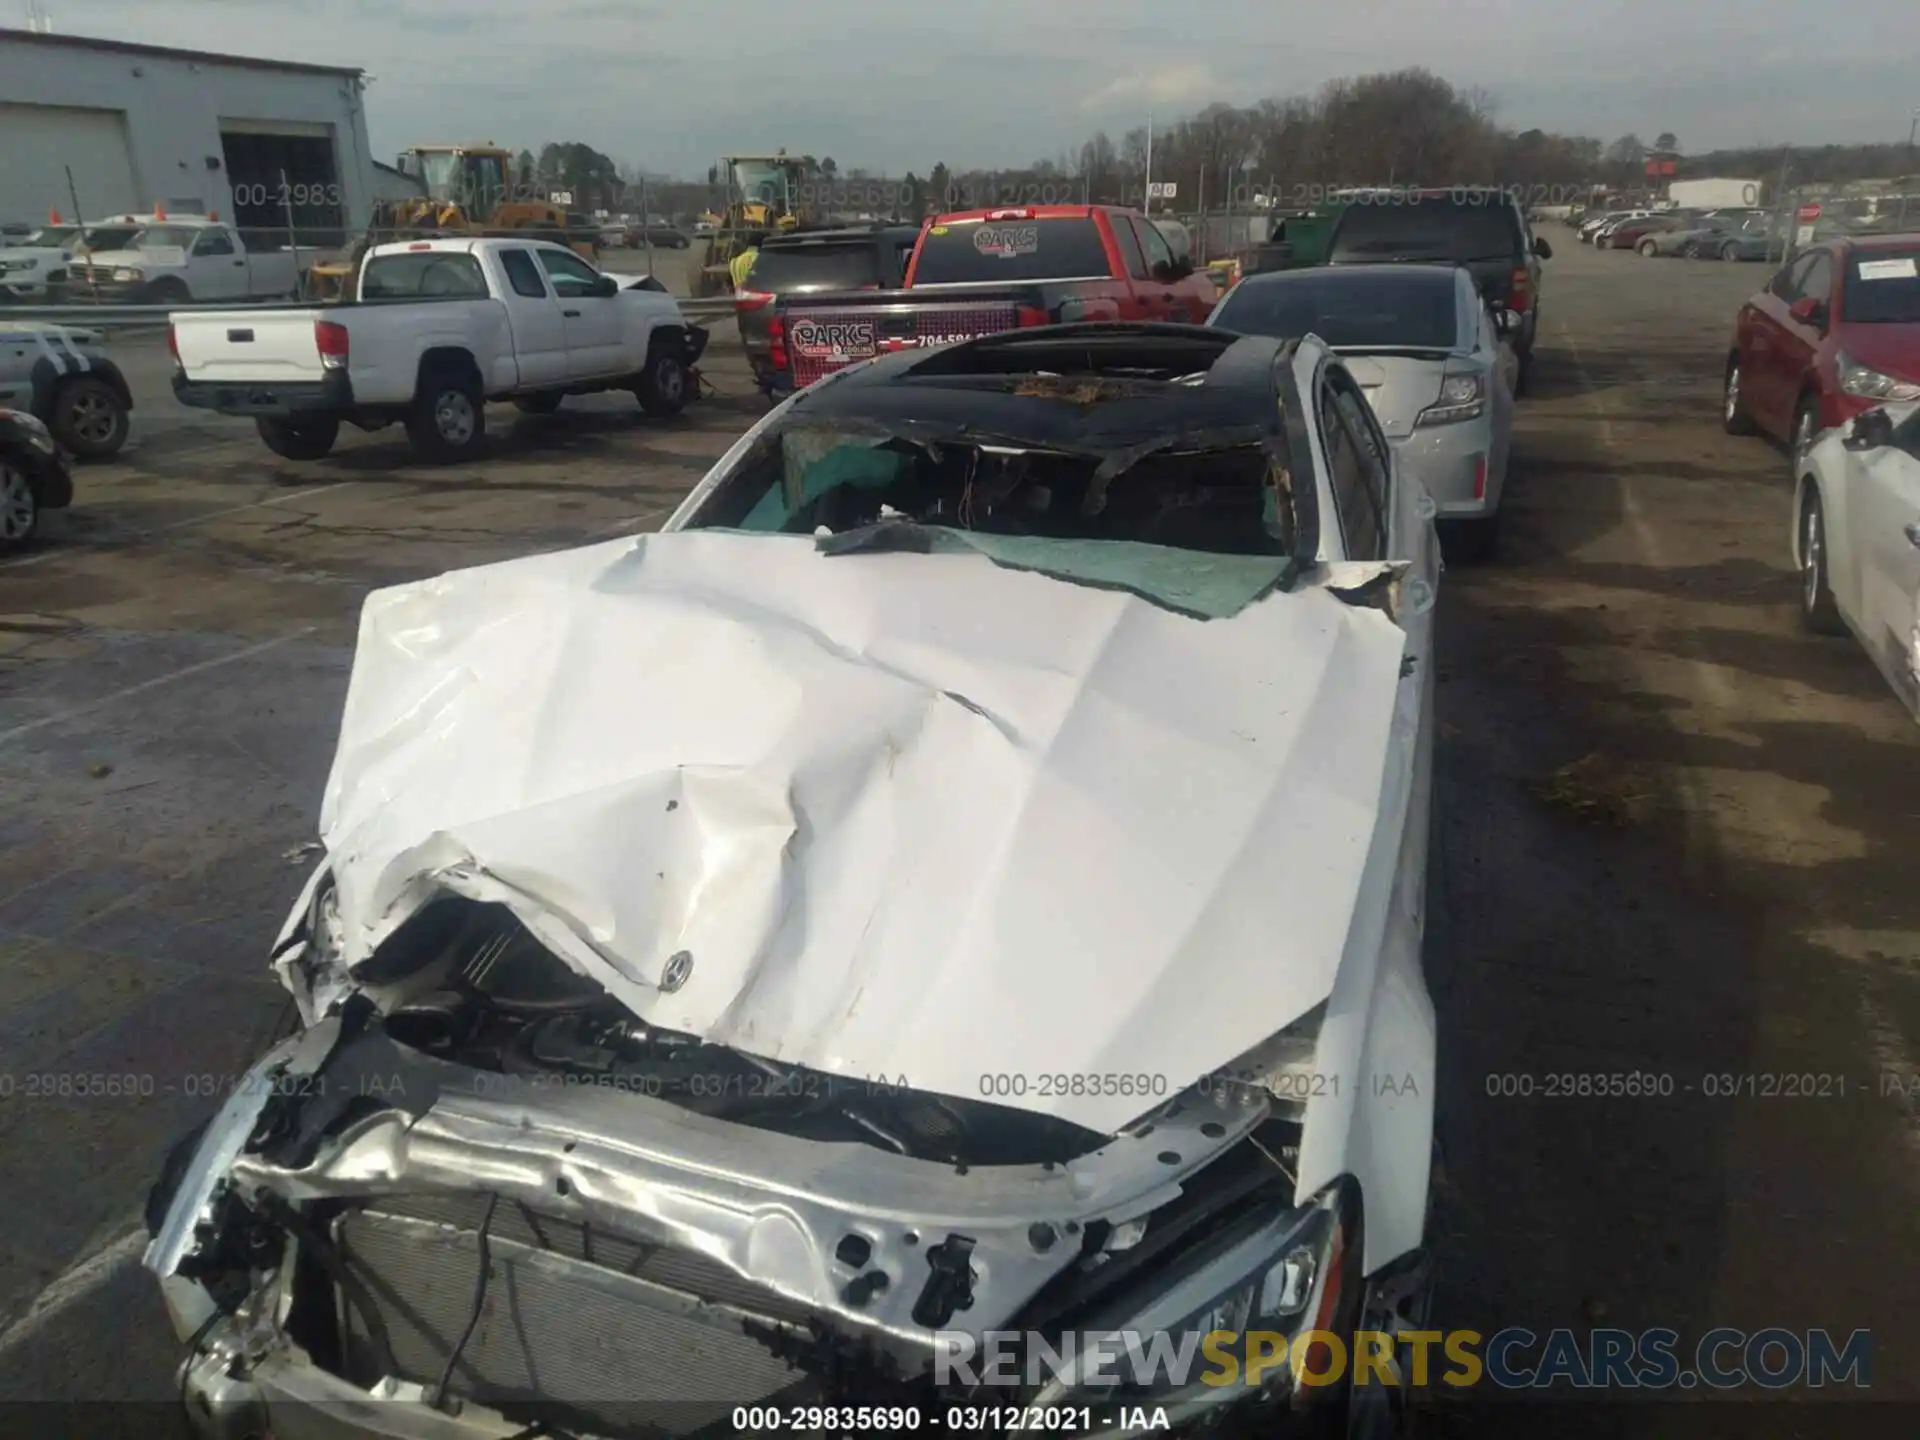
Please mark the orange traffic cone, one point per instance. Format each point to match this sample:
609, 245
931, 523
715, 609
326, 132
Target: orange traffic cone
159, 211
53, 217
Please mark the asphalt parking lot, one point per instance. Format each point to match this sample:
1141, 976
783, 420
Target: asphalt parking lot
1674, 834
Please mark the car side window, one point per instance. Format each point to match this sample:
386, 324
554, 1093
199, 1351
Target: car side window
1131, 255
1817, 282
1371, 446
1155, 244
523, 274
1786, 284
1354, 498
571, 276
213, 242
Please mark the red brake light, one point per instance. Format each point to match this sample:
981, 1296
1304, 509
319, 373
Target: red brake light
173, 343
752, 299
330, 338
1019, 214
1521, 295
1480, 478
1031, 315
777, 342
421, 245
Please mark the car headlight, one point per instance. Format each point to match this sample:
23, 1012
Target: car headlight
1234, 1324
19, 264
1462, 397
124, 274
1870, 384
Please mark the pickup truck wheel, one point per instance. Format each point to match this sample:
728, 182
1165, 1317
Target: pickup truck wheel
89, 418
169, 292
449, 417
544, 404
663, 384
299, 439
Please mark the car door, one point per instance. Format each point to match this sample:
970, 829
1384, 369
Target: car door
216, 270
1884, 527
1153, 296
1133, 259
1765, 320
591, 320
1364, 465
539, 330
1798, 339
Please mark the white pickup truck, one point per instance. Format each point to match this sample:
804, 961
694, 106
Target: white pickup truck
438, 328
179, 260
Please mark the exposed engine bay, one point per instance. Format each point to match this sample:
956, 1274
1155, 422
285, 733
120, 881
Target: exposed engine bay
499, 1002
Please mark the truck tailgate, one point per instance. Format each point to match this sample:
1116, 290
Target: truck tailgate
823, 336
247, 346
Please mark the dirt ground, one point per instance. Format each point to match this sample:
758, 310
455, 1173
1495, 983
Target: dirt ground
1674, 836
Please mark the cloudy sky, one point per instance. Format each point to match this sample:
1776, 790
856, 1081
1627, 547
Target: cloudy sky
893, 85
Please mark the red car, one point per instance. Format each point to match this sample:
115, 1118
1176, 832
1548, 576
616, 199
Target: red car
1835, 333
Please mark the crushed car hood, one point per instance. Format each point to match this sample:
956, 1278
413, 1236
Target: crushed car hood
970, 828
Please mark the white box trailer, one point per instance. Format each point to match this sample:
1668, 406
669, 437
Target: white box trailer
1720, 192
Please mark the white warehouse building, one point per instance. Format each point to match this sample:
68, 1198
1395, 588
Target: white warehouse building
142, 125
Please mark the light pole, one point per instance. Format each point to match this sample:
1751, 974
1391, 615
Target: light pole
1906, 181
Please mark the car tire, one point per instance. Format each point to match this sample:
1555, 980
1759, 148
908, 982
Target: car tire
1729, 251
89, 417
1817, 608
1734, 418
19, 506
169, 292
1649, 249
1522, 372
448, 421
1806, 425
664, 384
1470, 542
1690, 251
544, 403
299, 439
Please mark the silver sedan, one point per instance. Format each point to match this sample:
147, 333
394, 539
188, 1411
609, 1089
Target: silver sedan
1433, 359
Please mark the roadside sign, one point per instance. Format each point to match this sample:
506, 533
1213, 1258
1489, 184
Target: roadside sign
1161, 190
1809, 213
1803, 235
561, 197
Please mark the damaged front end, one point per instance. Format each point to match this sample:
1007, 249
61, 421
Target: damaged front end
491, 1199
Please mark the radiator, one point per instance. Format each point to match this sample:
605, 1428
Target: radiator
635, 1338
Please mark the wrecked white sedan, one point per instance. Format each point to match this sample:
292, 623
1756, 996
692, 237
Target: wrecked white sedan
960, 885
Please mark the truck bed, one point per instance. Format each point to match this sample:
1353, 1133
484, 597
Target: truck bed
825, 332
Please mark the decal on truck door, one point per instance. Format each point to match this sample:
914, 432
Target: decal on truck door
1007, 241
833, 339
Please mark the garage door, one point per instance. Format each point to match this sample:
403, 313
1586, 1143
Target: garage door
277, 167
44, 141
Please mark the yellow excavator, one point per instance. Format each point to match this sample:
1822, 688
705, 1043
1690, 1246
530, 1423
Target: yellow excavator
466, 190
765, 194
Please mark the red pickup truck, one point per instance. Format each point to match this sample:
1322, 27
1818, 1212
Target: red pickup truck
978, 272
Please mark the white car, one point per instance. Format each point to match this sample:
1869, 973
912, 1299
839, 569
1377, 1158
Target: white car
41, 261
965, 875
437, 329
1856, 540
178, 260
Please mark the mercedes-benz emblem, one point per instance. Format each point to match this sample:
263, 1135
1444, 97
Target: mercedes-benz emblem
679, 967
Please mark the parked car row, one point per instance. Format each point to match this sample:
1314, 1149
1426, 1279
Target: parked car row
1738, 233
1826, 360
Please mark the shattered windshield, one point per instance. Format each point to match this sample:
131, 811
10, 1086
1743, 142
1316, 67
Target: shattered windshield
1218, 499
